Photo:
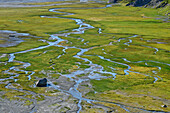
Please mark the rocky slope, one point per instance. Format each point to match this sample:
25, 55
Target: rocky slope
145, 3
164, 5
148, 3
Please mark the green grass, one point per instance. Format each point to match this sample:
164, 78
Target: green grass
132, 90
31, 23
121, 83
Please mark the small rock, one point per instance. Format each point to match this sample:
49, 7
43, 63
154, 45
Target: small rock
164, 106
41, 83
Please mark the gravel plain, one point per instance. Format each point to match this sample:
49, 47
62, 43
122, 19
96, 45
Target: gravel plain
20, 3
27, 1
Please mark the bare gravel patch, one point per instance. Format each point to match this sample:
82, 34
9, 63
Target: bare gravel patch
20, 3
27, 1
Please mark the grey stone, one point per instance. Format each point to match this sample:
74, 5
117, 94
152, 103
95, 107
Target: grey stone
42, 83
164, 106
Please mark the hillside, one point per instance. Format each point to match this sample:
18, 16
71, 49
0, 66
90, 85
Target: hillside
163, 4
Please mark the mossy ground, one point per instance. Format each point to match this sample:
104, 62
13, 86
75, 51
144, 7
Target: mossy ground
117, 22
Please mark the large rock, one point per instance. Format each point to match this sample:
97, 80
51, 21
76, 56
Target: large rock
41, 83
164, 106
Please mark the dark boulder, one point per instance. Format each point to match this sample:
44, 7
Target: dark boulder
12, 35
109, 112
164, 106
41, 82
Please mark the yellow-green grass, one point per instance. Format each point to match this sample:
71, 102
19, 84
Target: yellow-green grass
111, 108
28, 20
133, 90
125, 22
31, 21
45, 61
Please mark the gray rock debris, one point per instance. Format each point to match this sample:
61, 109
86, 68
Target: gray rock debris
148, 3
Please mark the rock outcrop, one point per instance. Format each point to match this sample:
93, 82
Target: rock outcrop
148, 3
41, 83
164, 106
156, 4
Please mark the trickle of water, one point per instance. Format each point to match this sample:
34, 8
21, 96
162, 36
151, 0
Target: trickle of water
100, 31
11, 57
125, 71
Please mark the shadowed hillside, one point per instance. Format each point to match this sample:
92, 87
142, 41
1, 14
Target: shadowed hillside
163, 4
